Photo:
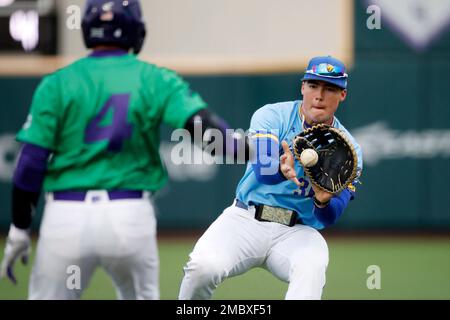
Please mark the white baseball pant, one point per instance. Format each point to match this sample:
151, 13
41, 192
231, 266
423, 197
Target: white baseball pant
237, 242
118, 235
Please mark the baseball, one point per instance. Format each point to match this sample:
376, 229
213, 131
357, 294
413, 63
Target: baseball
309, 157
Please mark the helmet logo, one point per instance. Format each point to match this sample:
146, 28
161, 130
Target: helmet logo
108, 6
118, 33
108, 14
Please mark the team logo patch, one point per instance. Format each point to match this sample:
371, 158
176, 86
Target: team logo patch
97, 33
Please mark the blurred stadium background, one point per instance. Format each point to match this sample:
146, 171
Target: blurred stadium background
240, 55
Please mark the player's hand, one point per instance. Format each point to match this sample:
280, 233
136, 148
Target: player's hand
18, 245
287, 164
321, 195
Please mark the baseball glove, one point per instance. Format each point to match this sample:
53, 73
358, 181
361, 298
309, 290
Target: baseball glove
337, 162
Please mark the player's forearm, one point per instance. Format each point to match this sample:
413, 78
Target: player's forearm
27, 183
272, 179
331, 213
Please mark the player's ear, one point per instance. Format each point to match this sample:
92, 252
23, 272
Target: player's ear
302, 87
343, 95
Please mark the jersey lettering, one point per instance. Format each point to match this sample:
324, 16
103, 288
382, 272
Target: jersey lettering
116, 132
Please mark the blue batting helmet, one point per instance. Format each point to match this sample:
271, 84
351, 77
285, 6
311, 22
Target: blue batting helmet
114, 22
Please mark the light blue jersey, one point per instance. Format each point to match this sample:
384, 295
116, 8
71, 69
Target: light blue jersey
283, 121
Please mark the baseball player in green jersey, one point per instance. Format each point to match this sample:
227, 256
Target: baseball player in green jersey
91, 142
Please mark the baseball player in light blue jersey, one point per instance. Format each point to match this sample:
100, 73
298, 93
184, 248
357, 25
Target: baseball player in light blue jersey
294, 251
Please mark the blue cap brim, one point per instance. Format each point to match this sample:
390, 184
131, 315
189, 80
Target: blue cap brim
340, 82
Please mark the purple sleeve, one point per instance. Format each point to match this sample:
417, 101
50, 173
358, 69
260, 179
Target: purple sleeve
31, 168
28, 177
331, 213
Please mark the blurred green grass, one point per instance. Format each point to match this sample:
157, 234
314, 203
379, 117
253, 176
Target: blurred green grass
411, 268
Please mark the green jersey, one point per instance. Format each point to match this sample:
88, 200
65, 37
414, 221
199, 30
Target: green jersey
100, 117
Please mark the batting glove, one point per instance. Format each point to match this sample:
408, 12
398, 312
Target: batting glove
18, 245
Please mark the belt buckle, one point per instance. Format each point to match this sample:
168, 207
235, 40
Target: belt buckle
276, 214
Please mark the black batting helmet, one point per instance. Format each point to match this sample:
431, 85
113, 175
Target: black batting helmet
114, 22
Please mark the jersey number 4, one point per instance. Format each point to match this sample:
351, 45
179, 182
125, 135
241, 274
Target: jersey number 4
118, 130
